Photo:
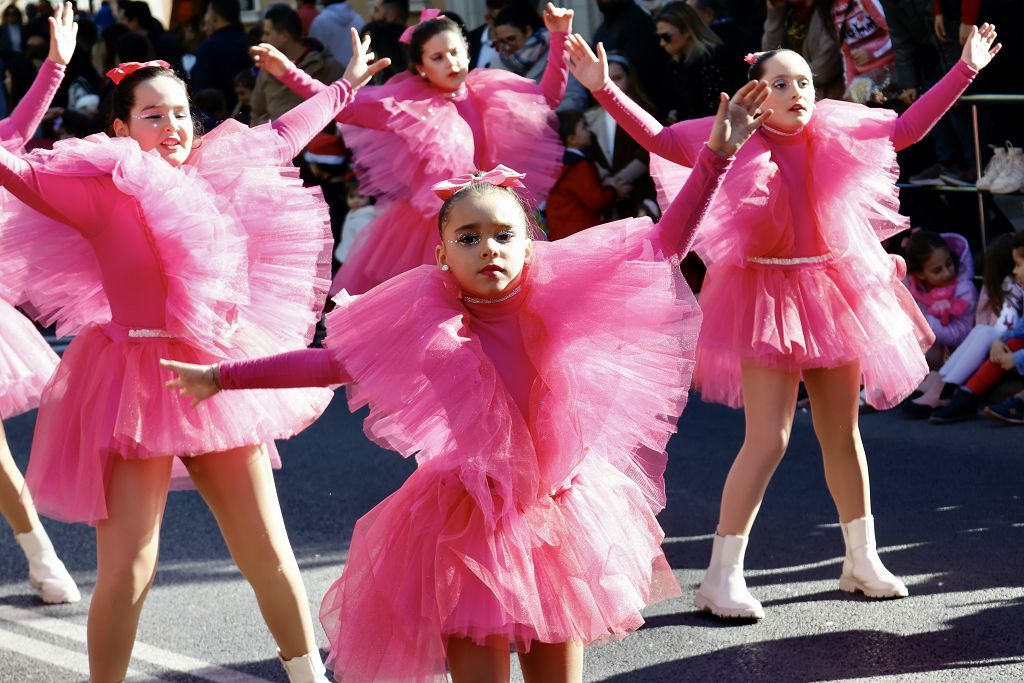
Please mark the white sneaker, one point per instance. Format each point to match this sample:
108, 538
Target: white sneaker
995, 168
46, 572
724, 591
1012, 177
863, 570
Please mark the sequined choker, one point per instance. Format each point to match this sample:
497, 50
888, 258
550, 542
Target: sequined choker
477, 300
776, 131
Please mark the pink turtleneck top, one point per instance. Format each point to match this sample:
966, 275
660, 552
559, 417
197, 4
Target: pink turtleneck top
496, 323
112, 221
366, 113
790, 152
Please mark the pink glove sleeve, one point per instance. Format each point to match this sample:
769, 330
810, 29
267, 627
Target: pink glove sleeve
298, 126
78, 201
556, 73
303, 368
681, 221
919, 118
18, 129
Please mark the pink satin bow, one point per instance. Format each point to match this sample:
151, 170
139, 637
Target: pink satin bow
501, 176
425, 15
752, 57
118, 73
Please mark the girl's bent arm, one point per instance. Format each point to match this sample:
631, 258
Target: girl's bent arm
641, 126
298, 126
303, 368
74, 200
917, 120
30, 110
679, 225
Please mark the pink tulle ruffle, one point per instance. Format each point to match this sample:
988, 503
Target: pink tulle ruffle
26, 363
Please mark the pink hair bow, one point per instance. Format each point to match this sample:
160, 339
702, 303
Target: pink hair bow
501, 176
118, 73
425, 15
752, 57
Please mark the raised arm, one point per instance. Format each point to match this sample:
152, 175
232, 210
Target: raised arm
591, 70
16, 130
979, 49
303, 368
558, 22
735, 121
298, 126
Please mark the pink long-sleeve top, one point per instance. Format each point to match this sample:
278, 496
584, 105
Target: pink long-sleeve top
496, 324
113, 224
789, 152
366, 111
18, 128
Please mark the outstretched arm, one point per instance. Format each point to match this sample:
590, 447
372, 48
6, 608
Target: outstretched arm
298, 126
25, 118
303, 368
591, 70
558, 22
735, 121
914, 124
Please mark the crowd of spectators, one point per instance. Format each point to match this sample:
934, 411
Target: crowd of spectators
672, 58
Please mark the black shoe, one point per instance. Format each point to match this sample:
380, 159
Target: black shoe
1010, 411
916, 411
963, 406
959, 178
930, 176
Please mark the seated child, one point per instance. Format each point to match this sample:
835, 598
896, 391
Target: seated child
1006, 354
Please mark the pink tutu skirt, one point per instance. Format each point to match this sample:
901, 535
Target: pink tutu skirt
578, 567
26, 362
813, 315
399, 239
108, 400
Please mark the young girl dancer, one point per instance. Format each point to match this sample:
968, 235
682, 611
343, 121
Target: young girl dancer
799, 288
26, 360
538, 410
150, 246
436, 122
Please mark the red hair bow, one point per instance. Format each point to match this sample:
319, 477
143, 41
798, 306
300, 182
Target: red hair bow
501, 176
118, 73
425, 15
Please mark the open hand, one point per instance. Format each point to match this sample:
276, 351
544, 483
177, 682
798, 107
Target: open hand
738, 118
198, 381
557, 19
63, 34
361, 68
589, 69
979, 49
268, 58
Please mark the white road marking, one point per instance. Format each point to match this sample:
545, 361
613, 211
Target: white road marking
57, 656
165, 659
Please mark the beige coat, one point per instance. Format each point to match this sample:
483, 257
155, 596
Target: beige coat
271, 98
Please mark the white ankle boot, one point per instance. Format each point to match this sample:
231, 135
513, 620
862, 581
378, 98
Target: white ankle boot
862, 569
724, 592
308, 668
46, 572
1012, 177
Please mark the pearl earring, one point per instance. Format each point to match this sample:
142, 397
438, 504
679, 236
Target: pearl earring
423, 74
445, 267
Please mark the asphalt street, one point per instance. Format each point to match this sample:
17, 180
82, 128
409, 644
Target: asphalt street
947, 500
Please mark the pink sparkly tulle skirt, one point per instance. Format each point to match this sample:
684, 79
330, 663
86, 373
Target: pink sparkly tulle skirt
108, 400
26, 362
811, 315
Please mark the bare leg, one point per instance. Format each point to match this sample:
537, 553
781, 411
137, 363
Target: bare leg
552, 663
834, 393
769, 398
15, 508
239, 488
472, 663
127, 544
